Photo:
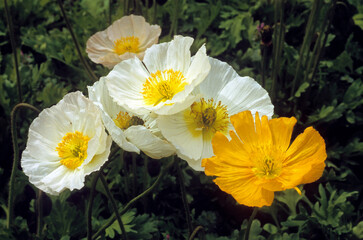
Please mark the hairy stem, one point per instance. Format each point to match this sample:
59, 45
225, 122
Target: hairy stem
247, 234
76, 43
278, 45
129, 204
13, 48
90, 205
196, 230
14, 138
306, 43
134, 174
326, 27
39, 205
114, 206
184, 198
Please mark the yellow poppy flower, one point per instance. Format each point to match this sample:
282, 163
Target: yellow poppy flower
259, 160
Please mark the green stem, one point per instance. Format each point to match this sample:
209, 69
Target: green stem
174, 21
277, 223
196, 230
278, 46
247, 234
134, 173
13, 48
90, 205
138, 8
154, 11
263, 64
147, 10
70, 29
114, 206
313, 31
126, 177
329, 16
39, 213
306, 43
109, 12
16, 158
184, 198
145, 182
93, 191
127, 207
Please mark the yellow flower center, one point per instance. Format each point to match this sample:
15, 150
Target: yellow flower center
73, 149
162, 86
126, 44
267, 166
123, 120
207, 117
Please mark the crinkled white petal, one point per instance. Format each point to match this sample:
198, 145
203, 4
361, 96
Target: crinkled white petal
100, 50
174, 128
219, 75
99, 159
40, 160
150, 144
100, 46
150, 37
125, 83
244, 93
176, 55
37, 168
222, 85
99, 94
87, 120
177, 107
172, 55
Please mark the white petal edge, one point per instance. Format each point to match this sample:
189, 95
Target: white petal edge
150, 144
244, 93
98, 93
175, 130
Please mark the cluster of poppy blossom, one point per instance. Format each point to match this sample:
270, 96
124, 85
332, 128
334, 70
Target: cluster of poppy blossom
160, 100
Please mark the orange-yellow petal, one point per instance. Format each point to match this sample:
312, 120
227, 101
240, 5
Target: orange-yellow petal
244, 125
281, 129
245, 191
232, 152
258, 161
263, 131
305, 158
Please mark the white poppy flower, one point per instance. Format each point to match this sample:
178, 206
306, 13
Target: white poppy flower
130, 131
162, 83
126, 38
66, 142
223, 93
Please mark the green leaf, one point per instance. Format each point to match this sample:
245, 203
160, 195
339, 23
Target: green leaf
271, 229
358, 20
358, 230
302, 89
52, 93
290, 197
126, 220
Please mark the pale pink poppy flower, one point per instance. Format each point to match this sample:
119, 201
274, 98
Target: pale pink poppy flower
126, 38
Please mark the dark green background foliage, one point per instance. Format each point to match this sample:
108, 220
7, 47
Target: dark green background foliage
329, 97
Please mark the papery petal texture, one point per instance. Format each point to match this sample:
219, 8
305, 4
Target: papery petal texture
163, 82
259, 160
133, 136
222, 94
65, 143
126, 38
